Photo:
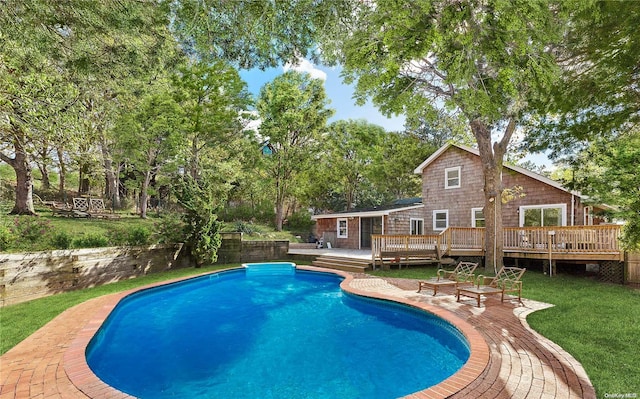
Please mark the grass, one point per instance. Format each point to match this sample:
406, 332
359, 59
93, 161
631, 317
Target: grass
597, 323
21, 320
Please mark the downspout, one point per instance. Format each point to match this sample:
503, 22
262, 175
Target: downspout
573, 209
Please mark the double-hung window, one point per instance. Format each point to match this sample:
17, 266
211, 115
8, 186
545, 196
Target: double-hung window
477, 217
342, 228
452, 177
440, 219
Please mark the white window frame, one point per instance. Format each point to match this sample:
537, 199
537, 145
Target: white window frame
563, 212
346, 228
419, 231
437, 211
588, 216
473, 216
446, 177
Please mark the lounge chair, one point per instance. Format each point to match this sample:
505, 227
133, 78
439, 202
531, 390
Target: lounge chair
507, 280
462, 274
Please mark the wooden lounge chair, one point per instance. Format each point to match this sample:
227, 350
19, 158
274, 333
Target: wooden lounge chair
462, 274
507, 280
80, 208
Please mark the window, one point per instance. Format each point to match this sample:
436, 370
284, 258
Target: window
477, 217
416, 226
452, 177
543, 215
342, 228
440, 219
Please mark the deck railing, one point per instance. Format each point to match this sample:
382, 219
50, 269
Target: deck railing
557, 239
564, 239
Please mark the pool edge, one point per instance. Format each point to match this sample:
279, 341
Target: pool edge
83, 378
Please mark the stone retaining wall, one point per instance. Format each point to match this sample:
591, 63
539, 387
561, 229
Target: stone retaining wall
236, 250
27, 276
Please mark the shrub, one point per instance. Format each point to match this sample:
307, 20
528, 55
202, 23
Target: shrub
170, 229
6, 238
61, 240
118, 236
244, 227
30, 229
91, 241
138, 236
300, 221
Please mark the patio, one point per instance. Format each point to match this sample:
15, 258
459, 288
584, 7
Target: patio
521, 363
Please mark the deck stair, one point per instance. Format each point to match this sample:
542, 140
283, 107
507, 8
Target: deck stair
353, 265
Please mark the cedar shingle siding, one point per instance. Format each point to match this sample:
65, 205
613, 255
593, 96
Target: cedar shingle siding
460, 201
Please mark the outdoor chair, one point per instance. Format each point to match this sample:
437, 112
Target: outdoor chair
462, 274
507, 280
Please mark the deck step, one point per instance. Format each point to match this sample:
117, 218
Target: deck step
352, 265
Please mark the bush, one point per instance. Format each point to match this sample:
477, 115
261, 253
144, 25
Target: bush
61, 240
300, 221
244, 227
138, 236
30, 228
6, 238
91, 241
170, 229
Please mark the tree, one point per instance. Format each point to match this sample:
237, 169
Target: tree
482, 61
598, 95
150, 137
347, 151
214, 98
50, 50
294, 114
590, 119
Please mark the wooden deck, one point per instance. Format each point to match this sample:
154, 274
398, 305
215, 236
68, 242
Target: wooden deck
575, 243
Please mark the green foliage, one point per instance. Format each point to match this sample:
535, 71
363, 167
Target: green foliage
7, 238
131, 236
241, 226
91, 241
261, 212
30, 228
61, 240
294, 114
197, 197
170, 229
300, 221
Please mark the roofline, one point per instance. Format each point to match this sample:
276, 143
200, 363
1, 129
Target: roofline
515, 168
383, 212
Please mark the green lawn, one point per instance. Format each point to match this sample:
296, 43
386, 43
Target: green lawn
597, 323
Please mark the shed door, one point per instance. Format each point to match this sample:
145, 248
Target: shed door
369, 226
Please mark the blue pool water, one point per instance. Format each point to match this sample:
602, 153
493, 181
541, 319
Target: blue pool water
298, 335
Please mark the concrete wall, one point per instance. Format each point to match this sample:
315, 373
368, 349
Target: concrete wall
27, 276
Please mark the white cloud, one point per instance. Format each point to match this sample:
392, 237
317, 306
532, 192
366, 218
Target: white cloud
305, 65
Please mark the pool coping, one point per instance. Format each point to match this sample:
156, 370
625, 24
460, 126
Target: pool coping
83, 378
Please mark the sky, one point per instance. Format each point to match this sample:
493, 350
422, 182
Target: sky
341, 96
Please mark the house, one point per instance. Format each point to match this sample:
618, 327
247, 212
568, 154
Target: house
353, 229
452, 196
452, 189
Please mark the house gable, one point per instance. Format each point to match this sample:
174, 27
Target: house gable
461, 202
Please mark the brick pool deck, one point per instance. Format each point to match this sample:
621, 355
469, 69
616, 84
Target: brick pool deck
510, 360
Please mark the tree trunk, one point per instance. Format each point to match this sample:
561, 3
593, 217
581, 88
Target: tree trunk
24, 188
144, 200
63, 171
46, 183
111, 182
491, 157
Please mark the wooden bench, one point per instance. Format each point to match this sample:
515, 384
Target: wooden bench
409, 257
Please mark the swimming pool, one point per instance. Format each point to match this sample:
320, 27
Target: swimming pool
296, 335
